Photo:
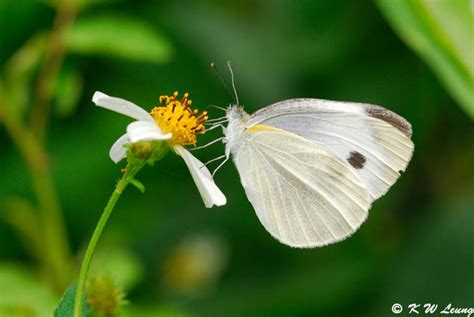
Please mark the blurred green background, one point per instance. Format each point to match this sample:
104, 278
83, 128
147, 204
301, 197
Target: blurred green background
172, 256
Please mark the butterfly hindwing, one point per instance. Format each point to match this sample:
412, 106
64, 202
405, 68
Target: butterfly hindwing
304, 195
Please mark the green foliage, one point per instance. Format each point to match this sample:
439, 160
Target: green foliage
158, 311
23, 294
138, 185
65, 307
443, 238
18, 213
118, 36
120, 263
416, 242
442, 33
20, 69
81, 4
68, 91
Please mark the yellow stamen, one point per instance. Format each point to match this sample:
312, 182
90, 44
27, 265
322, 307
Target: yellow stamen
177, 117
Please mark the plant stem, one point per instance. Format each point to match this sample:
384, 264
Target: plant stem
29, 141
52, 220
43, 185
44, 92
121, 185
56, 256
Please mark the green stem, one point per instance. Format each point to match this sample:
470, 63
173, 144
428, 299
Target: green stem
121, 185
56, 258
44, 92
59, 263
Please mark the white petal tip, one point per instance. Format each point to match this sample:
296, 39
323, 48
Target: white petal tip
167, 136
210, 193
219, 201
98, 95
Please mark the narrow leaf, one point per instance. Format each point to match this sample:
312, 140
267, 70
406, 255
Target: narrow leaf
20, 70
135, 182
68, 91
441, 33
118, 36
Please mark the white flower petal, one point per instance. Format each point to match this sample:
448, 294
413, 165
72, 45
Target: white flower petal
210, 193
121, 106
144, 130
117, 151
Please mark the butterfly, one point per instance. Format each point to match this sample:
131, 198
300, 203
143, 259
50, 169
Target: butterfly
311, 168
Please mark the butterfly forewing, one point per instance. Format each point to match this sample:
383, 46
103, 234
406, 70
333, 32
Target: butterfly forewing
373, 141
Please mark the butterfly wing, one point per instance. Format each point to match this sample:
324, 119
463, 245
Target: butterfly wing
303, 195
373, 140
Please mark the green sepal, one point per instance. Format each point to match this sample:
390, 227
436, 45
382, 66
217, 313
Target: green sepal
135, 182
145, 152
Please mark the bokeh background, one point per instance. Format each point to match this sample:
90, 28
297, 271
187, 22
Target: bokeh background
169, 254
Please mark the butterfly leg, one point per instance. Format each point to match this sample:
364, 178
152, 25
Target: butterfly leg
220, 165
215, 126
208, 144
214, 159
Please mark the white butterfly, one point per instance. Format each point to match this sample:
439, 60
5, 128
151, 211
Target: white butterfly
311, 168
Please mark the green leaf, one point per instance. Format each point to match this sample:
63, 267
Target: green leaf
441, 33
65, 307
81, 4
68, 92
118, 36
21, 216
21, 68
158, 311
135, 182
23, 294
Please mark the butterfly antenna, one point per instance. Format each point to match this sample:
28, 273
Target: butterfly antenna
229, 66
214, 68
217, 107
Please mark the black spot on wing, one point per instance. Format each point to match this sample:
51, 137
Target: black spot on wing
356, 159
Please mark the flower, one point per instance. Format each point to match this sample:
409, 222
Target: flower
195, 264
173, 122
104, 297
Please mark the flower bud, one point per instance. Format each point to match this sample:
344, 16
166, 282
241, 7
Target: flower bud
103, 296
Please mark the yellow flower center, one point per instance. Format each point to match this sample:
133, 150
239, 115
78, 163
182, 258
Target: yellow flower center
177, 117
